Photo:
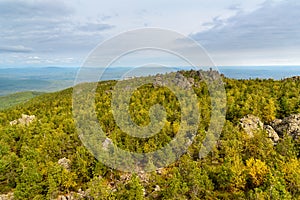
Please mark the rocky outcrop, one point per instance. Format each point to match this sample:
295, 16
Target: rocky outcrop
277, 128
271, 133
24, 120
289, 125
178, 80
158, 80
251, 124
294, 78
181, 81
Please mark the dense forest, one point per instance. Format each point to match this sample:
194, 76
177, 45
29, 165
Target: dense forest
45, 159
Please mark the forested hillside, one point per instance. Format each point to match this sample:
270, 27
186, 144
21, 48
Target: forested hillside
45, 159
17, 98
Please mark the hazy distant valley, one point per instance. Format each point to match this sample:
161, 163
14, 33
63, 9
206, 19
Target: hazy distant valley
48, 79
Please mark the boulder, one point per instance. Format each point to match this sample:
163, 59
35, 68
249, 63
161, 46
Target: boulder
271, 133
24, 120
289, 125
181, 81
278, 128
158, 81
14, 122
276, 124
251, 124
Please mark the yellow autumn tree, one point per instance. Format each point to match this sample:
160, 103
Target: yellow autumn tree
257, 171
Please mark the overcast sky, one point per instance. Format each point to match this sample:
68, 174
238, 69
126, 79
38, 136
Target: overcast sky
63, 32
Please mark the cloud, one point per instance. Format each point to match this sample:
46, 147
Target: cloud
28, 22
94, 27
49, 27
216, 22
33, 8
15, 49
274, 25
235, 7
57, 29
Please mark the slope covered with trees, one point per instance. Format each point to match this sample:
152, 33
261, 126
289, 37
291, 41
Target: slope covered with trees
17, 98
239, 167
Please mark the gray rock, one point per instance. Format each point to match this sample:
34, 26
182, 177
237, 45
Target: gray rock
158, 81
14, 122
181, 81
191, 81
271, 133
277, 126
24, 120
251, 124
289, 125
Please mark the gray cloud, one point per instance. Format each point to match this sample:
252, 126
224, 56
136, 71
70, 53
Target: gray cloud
235, 7
216, 22
15, 49
51, 28
273, 25
94, 27
36, 8
58, 29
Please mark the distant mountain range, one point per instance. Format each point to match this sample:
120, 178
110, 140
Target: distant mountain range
47, 79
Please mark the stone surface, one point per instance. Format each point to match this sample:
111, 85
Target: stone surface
271, 133
24, 120
251, 124
289, 125
181, 81
278, 128
158, 80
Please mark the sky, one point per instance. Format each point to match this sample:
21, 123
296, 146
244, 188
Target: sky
233, 33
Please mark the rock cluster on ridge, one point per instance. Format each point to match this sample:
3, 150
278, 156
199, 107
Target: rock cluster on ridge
289, 125
278, 128
24, 120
